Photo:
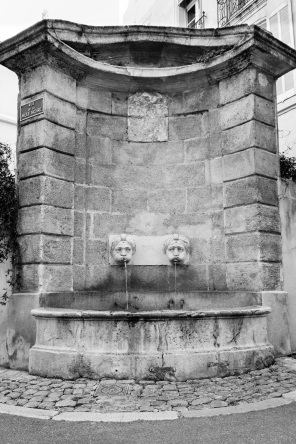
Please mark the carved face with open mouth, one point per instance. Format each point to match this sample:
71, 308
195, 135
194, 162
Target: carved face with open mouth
176, 248
122, 249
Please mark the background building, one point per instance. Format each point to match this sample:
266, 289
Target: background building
275, 16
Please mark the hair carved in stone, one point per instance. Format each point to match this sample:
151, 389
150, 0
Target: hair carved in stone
177, 247
122, 249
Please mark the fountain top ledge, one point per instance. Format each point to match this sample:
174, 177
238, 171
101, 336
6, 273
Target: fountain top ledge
145, 52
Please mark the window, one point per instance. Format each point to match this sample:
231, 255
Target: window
194, 15
280, 26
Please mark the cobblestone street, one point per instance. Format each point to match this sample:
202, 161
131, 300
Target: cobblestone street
85, 395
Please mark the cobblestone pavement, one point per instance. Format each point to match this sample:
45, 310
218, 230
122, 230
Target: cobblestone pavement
86, 395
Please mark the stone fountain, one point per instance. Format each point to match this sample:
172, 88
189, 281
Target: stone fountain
149, 223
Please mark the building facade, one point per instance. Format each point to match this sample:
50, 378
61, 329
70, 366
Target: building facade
276, 16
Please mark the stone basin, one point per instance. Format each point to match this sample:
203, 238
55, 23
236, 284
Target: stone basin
155, 344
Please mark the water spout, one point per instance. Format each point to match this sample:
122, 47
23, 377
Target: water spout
126, 289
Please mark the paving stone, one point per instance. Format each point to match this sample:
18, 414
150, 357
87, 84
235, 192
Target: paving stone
66, 403
201, 401
217, 404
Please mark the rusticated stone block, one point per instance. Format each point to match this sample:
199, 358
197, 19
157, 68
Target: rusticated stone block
256, 276
128, 201
105, 224
47, 78
245, 109
249, 162
97, 252
205, 198
249, 81
255, 189
201, 148
167, 201
249, 247
79, 223
56, 277
41, 248
78, 251
46, 190
45, 219
198, 99
93, 99
254, 217
30, 278
189, 126
150, 153
47, 134
217, 245
99, 150
248, 135
98, 199
100, 125
55, 110
48, 162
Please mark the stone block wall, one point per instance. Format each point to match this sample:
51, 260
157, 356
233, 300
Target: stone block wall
201, 162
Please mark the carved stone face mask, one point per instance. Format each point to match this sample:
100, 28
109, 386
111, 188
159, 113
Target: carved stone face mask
122, 249
176, 248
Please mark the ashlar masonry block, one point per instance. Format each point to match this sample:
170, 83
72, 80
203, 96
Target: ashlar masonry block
46, 190
45, 219
253, 189
249, 162
249, 247
41, 248
245, 109
256, 276
45, 161
254, 217
46, 78
249, 81
44, 133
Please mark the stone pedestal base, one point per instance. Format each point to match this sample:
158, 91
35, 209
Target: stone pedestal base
164, 344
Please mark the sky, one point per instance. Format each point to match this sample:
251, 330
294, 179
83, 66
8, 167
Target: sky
17, 15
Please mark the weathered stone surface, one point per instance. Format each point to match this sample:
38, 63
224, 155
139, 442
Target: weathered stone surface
251, 218
100, 125
48, 162
40, 248
98, 199
253, 276
47, 134
93, 99
99, 150
246, 82
245, 109
149, 153
249, 247
195, 100
55, 109
46, 190
47, 78
205, 198
45, 219
128, 201
249, 162
56, 277
247, 135
250, 190
189, 126
166, 201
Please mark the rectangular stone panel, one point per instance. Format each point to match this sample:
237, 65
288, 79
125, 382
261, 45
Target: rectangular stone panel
47, 78
249, 162
247, 135
46, 134
42, 248
46, 190
249, 81
45, 219
48, 162
253, 189
100, 125
245, 109
255, 217
55, 109
249, 247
